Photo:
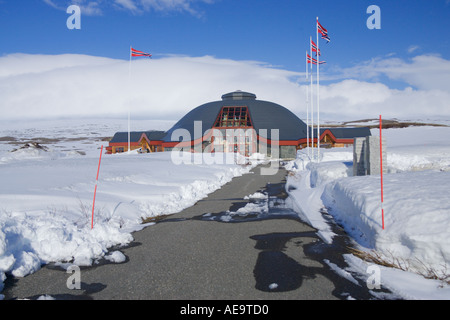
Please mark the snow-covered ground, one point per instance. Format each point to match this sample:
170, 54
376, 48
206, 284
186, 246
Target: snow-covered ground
46, 198
416, 207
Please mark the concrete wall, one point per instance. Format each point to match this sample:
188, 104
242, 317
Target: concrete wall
366, 156
288, 152
359, 157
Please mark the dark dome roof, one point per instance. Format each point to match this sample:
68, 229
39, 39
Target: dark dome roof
264, 115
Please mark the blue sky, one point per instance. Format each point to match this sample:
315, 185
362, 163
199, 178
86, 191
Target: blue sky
272, 31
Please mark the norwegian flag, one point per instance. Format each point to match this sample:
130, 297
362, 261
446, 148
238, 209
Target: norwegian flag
323, 31
312, 60
314, 48
137, 53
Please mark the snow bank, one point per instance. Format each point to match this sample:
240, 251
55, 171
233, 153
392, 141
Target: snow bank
46, 202
416, 207
416, 203
28, 241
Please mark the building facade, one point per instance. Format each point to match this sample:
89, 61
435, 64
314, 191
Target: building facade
237, 123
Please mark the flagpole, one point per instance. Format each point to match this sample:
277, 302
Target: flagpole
318, 92
129, 103
307, 102
312, 101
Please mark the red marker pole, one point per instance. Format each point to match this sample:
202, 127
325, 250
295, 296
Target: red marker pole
381, 171
95, 192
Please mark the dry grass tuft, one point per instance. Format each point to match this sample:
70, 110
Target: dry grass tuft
391, 261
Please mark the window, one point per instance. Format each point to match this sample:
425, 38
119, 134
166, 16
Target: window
234, 130
233, 117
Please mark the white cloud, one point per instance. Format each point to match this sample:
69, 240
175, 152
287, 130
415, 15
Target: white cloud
171, 5
413, 48
352, 99
90, 7
423, 72
23, 64
162, 5
43, 86
51, 3
127, 4
66, 85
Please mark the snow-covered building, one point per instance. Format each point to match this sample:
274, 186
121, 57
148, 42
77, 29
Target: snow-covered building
236, 123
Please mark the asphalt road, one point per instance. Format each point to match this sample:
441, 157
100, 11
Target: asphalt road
190, 256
